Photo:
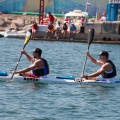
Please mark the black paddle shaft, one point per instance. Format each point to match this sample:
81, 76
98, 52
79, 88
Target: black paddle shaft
85, 61
18, 62
90, 39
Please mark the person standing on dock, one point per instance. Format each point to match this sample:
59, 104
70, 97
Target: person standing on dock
103, 18
51, 18
107, 70
82, 21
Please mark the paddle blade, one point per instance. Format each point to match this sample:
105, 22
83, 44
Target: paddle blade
28, 36
91, 33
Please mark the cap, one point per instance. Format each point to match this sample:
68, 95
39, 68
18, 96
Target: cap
104, 53
38, 50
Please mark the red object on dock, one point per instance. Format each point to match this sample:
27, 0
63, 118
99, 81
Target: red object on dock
41, 12
45, 21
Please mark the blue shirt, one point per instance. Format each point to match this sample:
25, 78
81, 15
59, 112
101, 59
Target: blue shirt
72, 27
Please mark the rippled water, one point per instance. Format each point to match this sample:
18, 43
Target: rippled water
22, 101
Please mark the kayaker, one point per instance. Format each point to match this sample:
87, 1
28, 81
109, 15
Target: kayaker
107, 69
39, 65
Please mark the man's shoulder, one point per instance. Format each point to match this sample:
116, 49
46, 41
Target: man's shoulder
38, 61
106, 65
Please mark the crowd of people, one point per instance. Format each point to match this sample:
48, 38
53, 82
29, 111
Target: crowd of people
60, 30
57, 29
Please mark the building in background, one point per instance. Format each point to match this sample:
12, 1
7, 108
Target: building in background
113, 10
55, 6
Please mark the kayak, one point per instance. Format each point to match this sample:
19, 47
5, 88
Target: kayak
42, 79
5, 77
58, 80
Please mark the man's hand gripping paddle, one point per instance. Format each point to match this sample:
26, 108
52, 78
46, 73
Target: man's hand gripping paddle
90, 39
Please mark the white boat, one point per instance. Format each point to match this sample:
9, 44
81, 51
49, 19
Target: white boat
58, 80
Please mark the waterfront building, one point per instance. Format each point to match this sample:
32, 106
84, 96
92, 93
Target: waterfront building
113, 10
54, 6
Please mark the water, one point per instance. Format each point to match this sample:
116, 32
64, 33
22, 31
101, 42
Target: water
22, 101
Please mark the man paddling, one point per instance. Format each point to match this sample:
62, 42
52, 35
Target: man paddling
39, 65
107, 70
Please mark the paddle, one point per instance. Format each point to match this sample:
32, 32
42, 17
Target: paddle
27, 38
90, 39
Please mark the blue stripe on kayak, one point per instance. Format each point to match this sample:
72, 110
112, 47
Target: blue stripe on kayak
3, 73
66, 77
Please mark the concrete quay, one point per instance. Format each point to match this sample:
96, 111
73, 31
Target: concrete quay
98, 38
107, 32
79, 37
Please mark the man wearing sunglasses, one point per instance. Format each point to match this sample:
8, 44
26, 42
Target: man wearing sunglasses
107, 69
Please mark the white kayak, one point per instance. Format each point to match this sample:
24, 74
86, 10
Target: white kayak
58, 80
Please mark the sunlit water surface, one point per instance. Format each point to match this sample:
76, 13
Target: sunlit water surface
33, 101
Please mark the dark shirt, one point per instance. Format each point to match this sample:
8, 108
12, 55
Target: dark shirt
65, 27
42, 71
111, 74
